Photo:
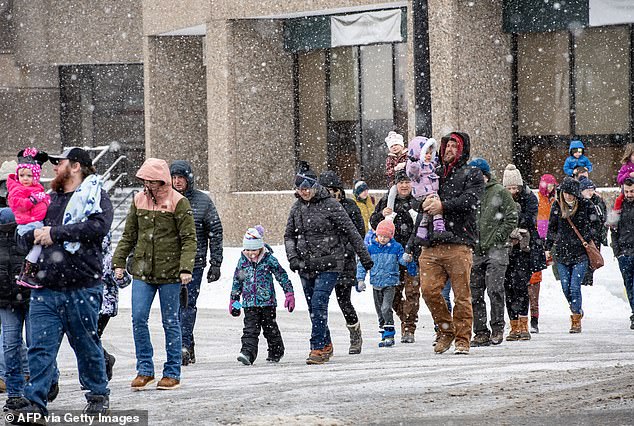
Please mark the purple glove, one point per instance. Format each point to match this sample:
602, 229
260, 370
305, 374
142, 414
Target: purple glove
234, 307
289, 302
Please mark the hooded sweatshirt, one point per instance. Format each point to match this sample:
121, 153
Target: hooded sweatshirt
206, 219
159, 228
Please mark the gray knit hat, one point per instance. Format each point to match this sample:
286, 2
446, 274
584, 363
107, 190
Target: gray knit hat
512, 176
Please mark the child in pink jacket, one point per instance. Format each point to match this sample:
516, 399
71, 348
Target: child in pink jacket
28, 201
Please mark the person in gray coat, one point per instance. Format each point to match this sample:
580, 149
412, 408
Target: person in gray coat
208, 234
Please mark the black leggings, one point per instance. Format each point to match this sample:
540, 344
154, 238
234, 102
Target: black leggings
343, 292
102, 323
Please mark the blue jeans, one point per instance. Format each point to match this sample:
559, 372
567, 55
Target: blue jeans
52, 315
188, 314
446, 294
13, 318
571, 277
317, 291
142, 298
626, 265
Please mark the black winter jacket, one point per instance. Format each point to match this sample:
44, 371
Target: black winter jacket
623, 233
403, 222
317, 232
349, 274
527, 219
206, 219
61, 269
460, 191
11, 258
569, 249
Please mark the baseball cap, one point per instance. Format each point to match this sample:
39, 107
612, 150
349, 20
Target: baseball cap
73, 154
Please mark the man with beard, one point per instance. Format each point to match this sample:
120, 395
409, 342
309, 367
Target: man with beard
623, 243
449, 255
77, 220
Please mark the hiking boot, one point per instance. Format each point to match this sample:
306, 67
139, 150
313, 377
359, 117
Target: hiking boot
192, 354
408, 337
443, 343
497, 337
274, 358
141, 382
461, 349
15, 403
316, 357
481, 339
168, 383
110, 360
186, 358
97, 405
575, 323
355, 338
31, 414
328, 351
52, 392
514, 334
534, 325
524, 334
245, 359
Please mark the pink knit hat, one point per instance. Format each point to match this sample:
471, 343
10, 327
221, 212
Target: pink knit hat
31, 158
385, 228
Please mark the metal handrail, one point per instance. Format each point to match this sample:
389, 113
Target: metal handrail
131, 193
106, 174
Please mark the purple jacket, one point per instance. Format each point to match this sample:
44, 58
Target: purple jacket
423, 174
624, 173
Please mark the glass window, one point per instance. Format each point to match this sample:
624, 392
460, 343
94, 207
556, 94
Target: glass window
602, 79
312, 109
103, 105
543, 84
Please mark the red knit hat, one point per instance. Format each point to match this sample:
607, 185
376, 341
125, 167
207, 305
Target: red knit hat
385, 228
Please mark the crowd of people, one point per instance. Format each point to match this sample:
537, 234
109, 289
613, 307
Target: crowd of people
445, 224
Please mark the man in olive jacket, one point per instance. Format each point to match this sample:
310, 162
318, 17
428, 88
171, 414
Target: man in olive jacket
160, 229
496, 218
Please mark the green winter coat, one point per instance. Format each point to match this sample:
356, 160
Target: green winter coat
497, 217
159, 229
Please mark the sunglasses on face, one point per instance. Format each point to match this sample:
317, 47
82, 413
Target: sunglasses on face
304, 182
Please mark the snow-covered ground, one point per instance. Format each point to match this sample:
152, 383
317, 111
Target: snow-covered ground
556, 377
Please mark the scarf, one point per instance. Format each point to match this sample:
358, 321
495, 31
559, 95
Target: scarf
86, 200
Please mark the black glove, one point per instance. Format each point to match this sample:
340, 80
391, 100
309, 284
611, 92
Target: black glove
295, 264
213, 274
367, 265
183, 297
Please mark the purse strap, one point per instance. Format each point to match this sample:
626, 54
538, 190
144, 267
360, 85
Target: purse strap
574, 228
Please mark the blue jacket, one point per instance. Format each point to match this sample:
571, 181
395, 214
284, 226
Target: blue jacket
572, 162
386, 258
60, 269
254, 281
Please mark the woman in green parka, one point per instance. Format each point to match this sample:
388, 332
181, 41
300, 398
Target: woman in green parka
160, 230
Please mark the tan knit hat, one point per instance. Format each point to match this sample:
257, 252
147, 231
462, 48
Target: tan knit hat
7, 168
512, 176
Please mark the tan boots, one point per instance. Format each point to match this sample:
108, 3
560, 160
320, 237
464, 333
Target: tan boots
575, 323
519, 330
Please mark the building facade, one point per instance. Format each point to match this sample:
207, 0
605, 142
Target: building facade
246, 89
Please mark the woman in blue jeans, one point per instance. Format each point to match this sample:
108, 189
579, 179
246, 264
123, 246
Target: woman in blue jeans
160, 229
572, 261
317, 231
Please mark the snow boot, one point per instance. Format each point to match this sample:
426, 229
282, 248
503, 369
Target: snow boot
443, 343
110, 360
514, 334
245, 359
575, 323
388, 337
317, 357
632, 322
534, 325
192, 354
524, 334
185, 356
355, 338
408, 337
329, 350
481, 339
497, 336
